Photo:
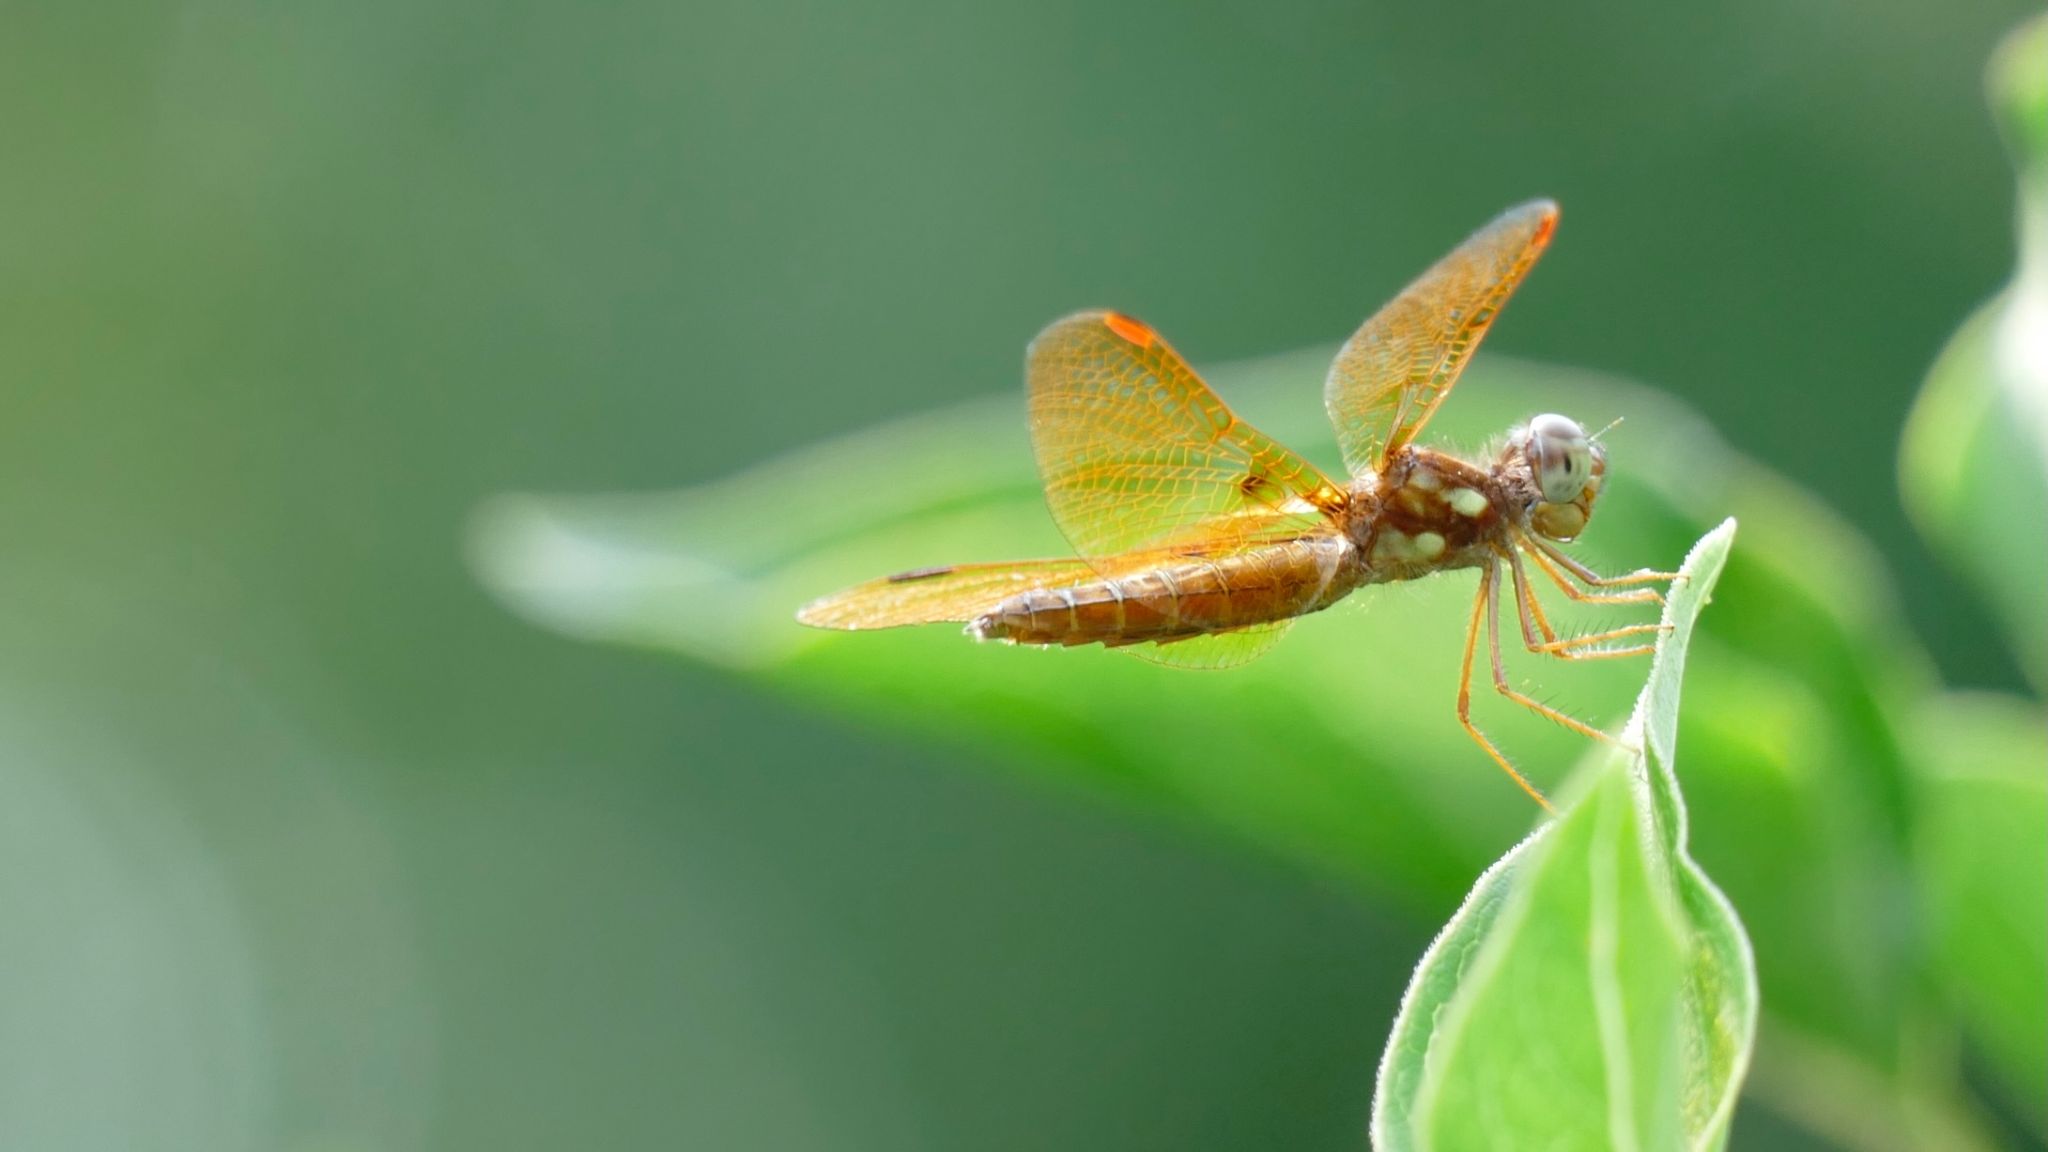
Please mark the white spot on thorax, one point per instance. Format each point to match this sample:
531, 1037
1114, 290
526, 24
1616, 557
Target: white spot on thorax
1467, 502
1392, 545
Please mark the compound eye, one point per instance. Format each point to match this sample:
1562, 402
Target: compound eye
1562, 456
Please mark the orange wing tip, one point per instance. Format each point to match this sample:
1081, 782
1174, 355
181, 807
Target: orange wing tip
1130, 329
1543, 212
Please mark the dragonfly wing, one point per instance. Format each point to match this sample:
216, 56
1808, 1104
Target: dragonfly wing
1215, 649
1397, 368
957, 592
1138, 454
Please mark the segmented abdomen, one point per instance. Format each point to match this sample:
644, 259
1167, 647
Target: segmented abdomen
1180, 597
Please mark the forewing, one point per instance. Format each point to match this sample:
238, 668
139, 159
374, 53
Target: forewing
929, 595
1137, 453
1397, 368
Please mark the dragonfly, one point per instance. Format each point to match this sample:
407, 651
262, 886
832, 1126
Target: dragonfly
1200, 540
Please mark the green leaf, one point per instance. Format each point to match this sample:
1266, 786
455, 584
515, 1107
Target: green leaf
1981, 846
1974, 461
1972, 476
1595, 989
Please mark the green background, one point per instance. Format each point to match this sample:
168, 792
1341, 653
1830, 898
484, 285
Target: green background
307, 844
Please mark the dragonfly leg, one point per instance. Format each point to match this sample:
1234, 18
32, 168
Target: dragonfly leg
1550, 557
1489, 594
1568, 650
1483, 610
1527, 609
1530, 610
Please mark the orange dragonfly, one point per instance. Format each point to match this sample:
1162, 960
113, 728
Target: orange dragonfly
1201, 539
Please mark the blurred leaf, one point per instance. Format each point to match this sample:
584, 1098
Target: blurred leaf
1975, 484
1982, 856
1595, 989
1340, 749
1974, 462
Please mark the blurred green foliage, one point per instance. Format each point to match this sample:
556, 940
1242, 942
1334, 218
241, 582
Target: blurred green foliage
307, 844
1975, 470
1974, 465
1985, 829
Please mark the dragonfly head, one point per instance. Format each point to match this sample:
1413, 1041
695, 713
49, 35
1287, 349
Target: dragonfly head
1566, 468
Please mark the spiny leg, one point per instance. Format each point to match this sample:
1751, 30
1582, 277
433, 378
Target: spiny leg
1490, 593
1596, 580
1480, 606
1565, 653
1526, 608
1547, 561
1641, 576
1530, 610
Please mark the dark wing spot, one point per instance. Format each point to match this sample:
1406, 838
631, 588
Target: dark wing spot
1255, 486
920, 574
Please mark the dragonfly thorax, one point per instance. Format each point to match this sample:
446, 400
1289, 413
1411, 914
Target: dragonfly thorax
1428, 511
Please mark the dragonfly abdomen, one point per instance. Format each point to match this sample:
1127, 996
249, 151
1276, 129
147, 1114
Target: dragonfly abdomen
1180, 597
